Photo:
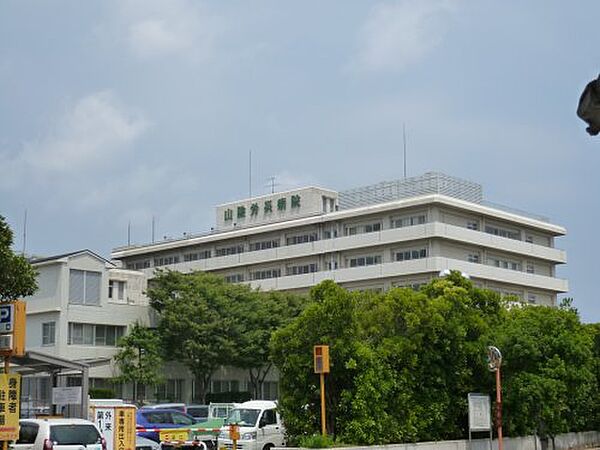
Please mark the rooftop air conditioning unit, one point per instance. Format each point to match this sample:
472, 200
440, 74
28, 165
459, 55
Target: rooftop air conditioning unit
6, 342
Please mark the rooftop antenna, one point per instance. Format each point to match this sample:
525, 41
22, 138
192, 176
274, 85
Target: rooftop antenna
129, 233
272, 183
153, 227
25, 232
249, 173
404, 141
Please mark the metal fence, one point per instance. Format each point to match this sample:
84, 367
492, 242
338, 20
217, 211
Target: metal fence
427, 184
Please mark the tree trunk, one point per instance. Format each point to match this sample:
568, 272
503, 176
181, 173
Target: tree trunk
257, 379
202, 386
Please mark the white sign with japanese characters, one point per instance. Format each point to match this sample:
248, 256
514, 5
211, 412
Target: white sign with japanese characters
105, 421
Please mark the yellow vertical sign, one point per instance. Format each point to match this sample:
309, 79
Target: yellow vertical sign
10, 392
124, 434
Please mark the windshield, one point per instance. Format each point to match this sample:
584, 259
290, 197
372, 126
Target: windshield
243, 417
81, 434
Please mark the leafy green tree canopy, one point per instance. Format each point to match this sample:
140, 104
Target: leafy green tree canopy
139, 358
403, 362
17, 277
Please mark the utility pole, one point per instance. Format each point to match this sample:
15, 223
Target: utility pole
494, 362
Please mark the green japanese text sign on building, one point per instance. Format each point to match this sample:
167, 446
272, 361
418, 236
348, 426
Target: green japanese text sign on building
276, 207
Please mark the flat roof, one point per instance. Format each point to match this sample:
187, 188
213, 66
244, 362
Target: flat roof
217, 235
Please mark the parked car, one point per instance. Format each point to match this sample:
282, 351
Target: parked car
142, 443
58, 434
260, 425
198, 412
178, 406
161, 418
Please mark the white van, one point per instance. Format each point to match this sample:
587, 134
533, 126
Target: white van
58, 434
260, 425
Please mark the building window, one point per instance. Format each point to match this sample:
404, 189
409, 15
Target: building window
504, 263
48, 333
474, 258
84, 287
94, 335
270, 389
263, 245
503, 232
116, 290
206, 254
332, 265
264, 274
232, 250
166, 260
529, 239
172, 391
406, 255
364, 261
235, 278
359, 229
139, 265
530, 267
531, 298
473, 225
302, 269
329, 234
407, 221
301, 238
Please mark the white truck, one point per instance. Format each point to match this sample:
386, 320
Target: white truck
260, 426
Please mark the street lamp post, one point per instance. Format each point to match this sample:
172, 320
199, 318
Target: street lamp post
494, 363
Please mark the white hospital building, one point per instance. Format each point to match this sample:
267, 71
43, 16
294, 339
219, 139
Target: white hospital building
399, 233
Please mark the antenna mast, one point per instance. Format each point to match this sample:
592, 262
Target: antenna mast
25, 232
404, 141
250, 173
153, 228
129, 233
272, 180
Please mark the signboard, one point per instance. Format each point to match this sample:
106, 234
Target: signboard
275, 207
104, 418
116, 423
173, 435
10, 393
321, 358
66, 395
7, 315
124, 436
12, 328
480, 417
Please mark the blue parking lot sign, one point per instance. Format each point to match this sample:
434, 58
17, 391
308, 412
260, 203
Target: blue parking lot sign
6, 318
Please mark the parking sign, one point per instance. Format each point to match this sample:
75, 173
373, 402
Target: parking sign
6, 318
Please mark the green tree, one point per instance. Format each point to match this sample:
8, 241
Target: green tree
17, 277
329, 318
260, 314
402, 362
549, 372
139, 358
198, 321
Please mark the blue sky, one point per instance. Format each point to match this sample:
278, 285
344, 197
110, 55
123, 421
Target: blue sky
117, 111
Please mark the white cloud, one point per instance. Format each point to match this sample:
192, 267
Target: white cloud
89, 134
396, 35
153, 29
153, 37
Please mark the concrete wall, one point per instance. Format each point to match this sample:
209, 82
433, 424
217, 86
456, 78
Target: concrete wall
562, 442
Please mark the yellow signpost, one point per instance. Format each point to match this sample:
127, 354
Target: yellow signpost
10, 386
124, 428
116, 422
321, 363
